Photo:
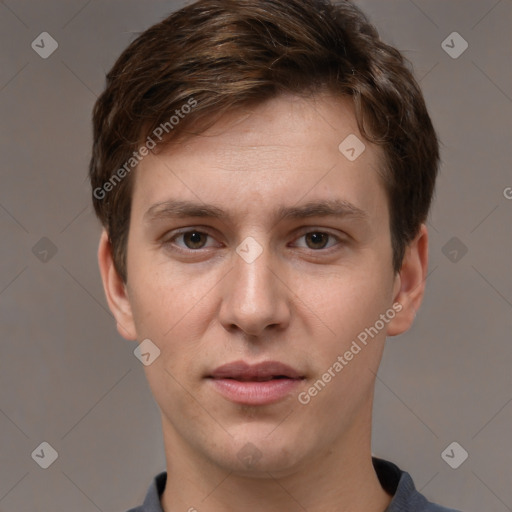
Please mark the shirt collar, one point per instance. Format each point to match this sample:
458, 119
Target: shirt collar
394, 481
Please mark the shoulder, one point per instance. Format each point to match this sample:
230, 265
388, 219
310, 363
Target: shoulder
432, 507
152, 499
398, 483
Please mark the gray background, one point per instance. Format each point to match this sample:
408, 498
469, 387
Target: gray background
68, 378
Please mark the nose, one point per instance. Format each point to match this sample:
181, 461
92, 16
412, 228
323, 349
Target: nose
255, 296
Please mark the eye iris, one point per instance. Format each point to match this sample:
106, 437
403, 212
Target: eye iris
193, 239
317, 238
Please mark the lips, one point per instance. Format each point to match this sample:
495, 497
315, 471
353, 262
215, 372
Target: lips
256, 385
241, 371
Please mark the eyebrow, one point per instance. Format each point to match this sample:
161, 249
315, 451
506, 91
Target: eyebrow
171, 209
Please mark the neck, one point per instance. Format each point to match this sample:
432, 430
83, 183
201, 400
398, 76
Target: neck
341, 479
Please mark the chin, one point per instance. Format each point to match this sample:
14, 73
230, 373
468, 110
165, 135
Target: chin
258, 455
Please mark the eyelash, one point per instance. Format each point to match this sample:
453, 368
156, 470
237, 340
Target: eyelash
170, 241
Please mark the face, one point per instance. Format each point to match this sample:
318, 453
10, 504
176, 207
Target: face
259, 245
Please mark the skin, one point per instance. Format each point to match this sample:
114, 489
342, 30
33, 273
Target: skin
302, 302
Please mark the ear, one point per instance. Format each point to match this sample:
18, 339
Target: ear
115, 290
409, 286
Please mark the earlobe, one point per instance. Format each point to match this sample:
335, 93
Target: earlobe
115, 290
410, 283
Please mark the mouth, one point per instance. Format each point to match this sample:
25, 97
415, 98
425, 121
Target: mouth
258, 379
261, 372
258, 384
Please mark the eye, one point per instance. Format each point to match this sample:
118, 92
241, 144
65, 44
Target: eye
317, 240
192, 239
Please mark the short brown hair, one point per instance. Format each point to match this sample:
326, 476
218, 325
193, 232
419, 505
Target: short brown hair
225, 54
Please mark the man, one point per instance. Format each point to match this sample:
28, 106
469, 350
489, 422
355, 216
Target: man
263, 170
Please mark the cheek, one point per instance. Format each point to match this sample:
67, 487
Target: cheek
173, 310
348, 309
347, 301
161, 301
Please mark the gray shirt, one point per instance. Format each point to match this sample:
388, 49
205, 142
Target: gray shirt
394, 481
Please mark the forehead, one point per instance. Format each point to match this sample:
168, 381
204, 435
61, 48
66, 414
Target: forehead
270, 155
